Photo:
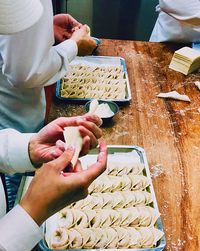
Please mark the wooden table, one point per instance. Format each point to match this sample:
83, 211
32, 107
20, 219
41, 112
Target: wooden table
168, 130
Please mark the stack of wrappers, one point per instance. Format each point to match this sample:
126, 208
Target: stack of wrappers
185, 60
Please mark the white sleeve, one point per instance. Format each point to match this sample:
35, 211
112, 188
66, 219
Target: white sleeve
19, 231
14, 155
186, 11
29, 58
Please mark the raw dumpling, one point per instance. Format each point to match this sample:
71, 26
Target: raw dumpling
174, 95
72, 137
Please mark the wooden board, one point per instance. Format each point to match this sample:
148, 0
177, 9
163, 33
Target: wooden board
168, 130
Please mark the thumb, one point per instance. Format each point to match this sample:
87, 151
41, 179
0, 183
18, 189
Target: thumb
64, 160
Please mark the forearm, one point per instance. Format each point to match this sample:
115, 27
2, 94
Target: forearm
19, 231
184, 11
38, 66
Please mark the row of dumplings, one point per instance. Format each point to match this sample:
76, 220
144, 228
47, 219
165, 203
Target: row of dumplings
86, 68
97, 92
124, 199
97, 75
108, 238
90, 81
94, 87
108, 183
141, 216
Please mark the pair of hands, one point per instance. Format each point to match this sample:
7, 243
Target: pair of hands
66, 27
52, 188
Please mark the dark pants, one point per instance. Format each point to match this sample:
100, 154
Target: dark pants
12, 185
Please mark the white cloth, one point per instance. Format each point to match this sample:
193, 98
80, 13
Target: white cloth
178, 21
29, 61
18, 230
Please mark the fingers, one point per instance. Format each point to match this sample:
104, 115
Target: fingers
85, 132
85, 146
73, 121
73, 21
78, 167
89, 175
93, 128
93, 118
63, 160
61, 145
55, 153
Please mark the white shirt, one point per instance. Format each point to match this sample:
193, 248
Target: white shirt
29, 61
178, 21
18, 230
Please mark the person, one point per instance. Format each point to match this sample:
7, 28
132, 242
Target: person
54, 186
178, 21
28, 62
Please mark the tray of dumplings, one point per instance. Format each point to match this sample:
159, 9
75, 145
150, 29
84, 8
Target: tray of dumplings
99, 77
120, 211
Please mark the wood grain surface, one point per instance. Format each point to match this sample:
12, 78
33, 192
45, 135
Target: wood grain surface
168, 130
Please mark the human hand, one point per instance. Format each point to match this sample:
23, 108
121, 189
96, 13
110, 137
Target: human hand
48, 143
86, 44
64, 26
52, 188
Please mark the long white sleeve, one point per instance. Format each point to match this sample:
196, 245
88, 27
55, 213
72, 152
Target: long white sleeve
29, 58
178, 21
18, 231
14, 155
182, 10
28, 61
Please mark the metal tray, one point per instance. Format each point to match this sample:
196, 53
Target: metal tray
125, 149
104, 60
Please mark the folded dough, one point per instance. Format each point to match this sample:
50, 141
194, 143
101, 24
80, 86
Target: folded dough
72, 137
110, 237
174, 95
197, 83
115, 214
59, 239
101, 82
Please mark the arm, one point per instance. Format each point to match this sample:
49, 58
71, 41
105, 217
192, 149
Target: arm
187, 12
14, 144
44, 146
29, 57
35, 149
50, 190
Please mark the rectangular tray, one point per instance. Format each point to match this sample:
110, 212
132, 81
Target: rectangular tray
125, 149
101, 60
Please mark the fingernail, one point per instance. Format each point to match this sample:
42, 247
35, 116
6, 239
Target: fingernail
53, 154
80, 119
101, 122
101, 155
71, 148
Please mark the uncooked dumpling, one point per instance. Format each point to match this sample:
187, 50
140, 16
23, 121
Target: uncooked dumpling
174, 95
72, 137
197, 83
